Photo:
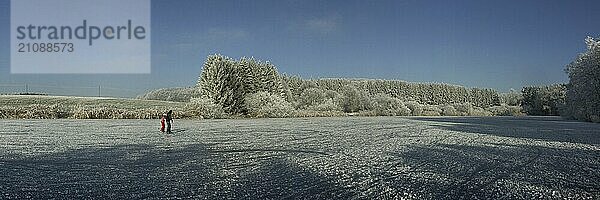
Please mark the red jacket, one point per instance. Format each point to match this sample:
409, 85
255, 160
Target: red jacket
162, 124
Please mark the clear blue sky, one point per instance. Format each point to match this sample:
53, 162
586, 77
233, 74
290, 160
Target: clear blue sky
475, 43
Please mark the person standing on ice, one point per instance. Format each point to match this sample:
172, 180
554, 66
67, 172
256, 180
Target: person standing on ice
162, 123
169, 120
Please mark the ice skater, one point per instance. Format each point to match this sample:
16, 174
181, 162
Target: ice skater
169, 120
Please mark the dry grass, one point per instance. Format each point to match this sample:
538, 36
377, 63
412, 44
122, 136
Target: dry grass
53, 107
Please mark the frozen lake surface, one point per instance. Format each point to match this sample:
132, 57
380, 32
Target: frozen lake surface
305, 158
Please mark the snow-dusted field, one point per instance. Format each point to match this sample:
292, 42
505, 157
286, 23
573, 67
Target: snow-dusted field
312, 158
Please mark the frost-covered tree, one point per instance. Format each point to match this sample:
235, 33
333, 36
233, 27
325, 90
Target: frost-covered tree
261, 77
222, 82
264, 104
385, 105
512, 98
544, 100
227, 82
424, 93
583, 90
311, 97
354, 100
